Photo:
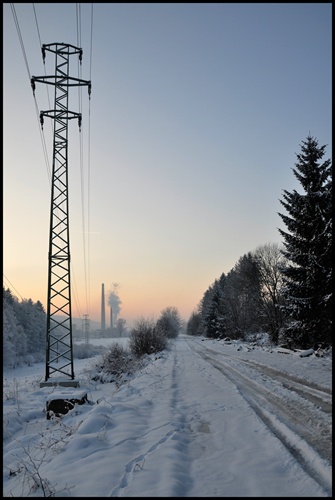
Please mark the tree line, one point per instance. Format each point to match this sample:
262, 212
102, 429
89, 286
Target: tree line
283, 290
24, 325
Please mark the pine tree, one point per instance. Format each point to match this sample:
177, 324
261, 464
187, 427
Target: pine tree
211, 310
307, 246
212, 318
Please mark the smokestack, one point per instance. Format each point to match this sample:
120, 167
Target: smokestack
111, 317
103, 321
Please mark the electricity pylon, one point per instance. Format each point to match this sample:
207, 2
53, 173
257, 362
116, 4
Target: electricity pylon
59, 349
86, 328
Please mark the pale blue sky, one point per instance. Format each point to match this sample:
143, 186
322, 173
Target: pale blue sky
197, 111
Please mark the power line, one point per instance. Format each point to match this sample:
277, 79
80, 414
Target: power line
86, 233
12, 286
17, 25
39, 37
81, 155
88, 203
76, 297
38, 31
91, 41
89, 163
16, 21
44, 147
78, 17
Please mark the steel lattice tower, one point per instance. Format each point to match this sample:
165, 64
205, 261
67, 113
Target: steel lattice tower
59, 349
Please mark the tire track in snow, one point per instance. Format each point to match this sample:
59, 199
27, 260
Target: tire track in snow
321, 396
292, 428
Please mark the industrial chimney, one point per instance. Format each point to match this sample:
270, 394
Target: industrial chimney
103, 321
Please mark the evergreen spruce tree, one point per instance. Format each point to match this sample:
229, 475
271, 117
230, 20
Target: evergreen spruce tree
307, 246
212, 319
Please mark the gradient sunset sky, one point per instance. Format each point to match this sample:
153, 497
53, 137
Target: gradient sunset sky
196, 115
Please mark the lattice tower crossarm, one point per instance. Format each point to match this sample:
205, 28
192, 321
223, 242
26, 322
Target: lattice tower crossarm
59, 346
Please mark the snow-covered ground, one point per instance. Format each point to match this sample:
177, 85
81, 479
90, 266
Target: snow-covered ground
203, 418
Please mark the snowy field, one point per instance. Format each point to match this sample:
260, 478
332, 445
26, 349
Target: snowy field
205, 418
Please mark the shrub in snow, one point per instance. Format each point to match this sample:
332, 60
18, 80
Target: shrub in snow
29, 469
118, 360
146, 338
116, 364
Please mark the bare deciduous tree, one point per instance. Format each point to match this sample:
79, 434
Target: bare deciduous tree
270, 261
121, 325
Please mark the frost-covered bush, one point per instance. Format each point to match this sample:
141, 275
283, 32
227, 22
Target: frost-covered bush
146, 338
116, 365
118, 360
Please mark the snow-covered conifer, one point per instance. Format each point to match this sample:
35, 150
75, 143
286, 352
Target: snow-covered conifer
307, 246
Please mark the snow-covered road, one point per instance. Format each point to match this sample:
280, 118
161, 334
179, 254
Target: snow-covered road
218, 431
297, 412
202, 419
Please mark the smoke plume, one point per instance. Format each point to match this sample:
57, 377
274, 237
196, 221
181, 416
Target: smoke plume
114, 301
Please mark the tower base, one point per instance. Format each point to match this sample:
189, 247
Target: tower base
62, 382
